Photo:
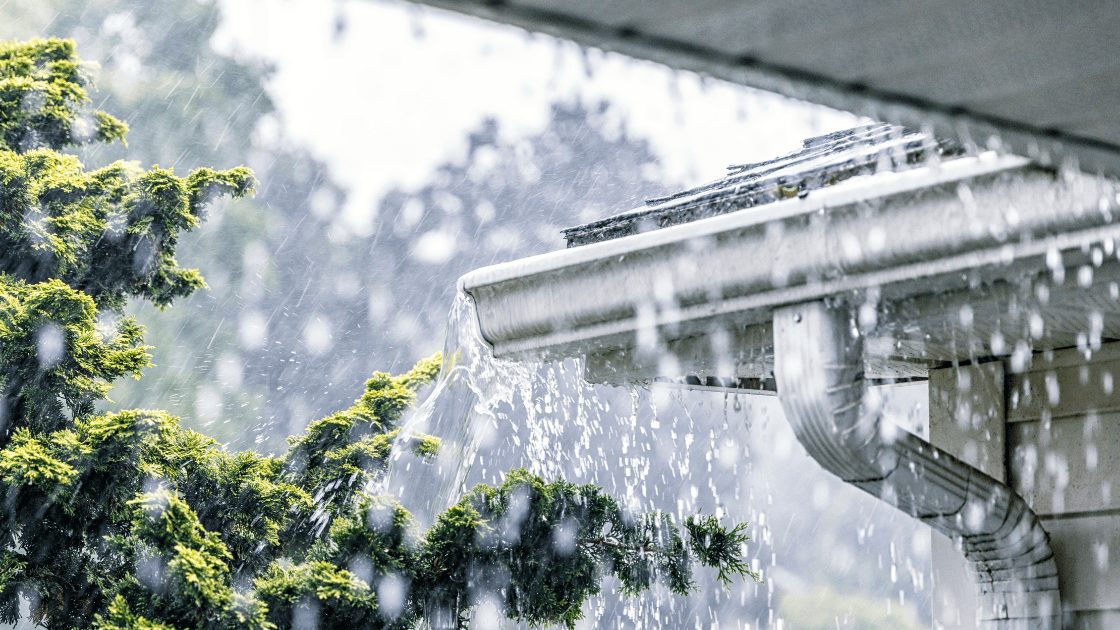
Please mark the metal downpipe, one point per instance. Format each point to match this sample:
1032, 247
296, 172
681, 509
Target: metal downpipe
818, 366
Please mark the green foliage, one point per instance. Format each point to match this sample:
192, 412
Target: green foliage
42, 87
540, 545
349, 449
57, 360
719, 547
11, 570
193, 573
543, 547
111, 232
130, 520
333, 596
28, 463
120, 617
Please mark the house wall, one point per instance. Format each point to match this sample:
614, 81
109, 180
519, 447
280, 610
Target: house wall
1059, 447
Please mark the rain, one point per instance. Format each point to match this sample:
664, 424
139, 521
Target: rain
886, 349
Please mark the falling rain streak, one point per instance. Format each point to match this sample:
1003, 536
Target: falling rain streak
653, 448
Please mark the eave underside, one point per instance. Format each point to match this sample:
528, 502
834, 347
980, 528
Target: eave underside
1038, 78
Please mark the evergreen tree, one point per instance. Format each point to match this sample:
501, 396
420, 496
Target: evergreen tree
129, 520
191, 107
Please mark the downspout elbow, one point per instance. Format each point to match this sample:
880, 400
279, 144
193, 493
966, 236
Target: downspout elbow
818, 367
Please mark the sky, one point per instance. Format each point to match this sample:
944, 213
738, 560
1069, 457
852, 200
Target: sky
409, 82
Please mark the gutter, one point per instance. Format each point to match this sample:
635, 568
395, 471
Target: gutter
903, 232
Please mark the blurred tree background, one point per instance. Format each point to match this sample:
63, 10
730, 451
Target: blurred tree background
298, 313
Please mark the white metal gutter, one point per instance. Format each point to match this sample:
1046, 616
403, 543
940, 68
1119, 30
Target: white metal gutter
898, 231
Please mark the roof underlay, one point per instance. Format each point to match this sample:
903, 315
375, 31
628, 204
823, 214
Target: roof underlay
1039, 76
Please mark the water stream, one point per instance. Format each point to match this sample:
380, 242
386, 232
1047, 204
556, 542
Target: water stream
492, 415
678, 451
651, 448
463, 409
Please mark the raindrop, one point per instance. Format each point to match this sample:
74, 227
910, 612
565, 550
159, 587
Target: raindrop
50, 344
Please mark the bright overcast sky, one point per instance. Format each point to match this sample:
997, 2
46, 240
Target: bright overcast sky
396, 93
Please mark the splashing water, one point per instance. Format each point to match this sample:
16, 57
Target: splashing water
462, 410
492, 415
677, 451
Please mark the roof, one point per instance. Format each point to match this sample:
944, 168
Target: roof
1038, 77
821, 162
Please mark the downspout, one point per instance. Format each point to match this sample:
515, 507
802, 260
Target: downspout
818, 366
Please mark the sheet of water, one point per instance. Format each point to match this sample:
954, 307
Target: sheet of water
655, 448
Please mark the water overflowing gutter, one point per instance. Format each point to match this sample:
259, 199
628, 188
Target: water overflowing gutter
781, 286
